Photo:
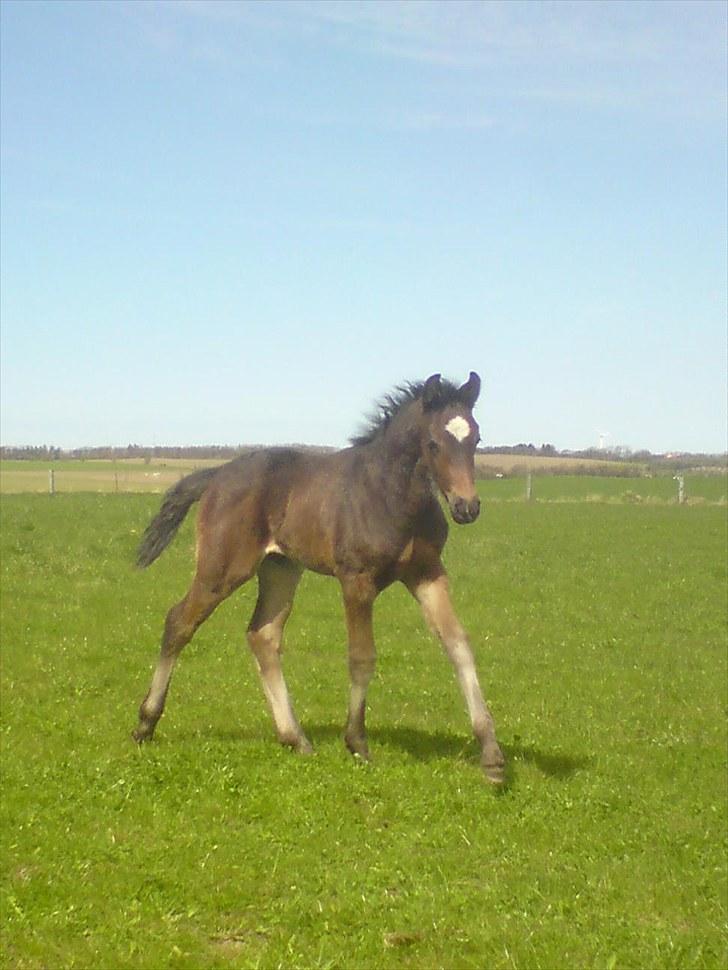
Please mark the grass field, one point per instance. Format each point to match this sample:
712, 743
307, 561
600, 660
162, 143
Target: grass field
600, 632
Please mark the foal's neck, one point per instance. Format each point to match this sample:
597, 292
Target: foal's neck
405, 478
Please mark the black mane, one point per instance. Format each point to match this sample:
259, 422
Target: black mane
391, 404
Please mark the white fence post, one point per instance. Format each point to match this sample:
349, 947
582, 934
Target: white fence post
680, 489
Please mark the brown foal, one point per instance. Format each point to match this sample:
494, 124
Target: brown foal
367, 515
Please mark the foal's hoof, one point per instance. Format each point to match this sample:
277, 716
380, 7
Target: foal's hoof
298, 743
142, 733
494, 765
495, 774
358, 747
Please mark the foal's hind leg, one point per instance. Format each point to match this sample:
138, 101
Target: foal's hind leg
277, 582
182, 621
433, 595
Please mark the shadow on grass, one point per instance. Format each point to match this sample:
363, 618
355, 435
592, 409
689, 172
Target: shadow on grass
424, 746
560, 765
430, 745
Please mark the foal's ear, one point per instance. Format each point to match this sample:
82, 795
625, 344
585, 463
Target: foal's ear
431, 391
470, 390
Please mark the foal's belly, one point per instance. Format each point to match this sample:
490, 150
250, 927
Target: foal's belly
305, 540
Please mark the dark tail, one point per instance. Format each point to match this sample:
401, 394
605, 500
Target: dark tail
175, 506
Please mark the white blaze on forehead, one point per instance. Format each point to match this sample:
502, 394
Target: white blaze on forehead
458, 427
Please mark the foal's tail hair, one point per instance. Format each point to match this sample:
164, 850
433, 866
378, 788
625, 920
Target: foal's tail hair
175, 506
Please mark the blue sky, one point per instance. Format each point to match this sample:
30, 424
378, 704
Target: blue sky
235, 223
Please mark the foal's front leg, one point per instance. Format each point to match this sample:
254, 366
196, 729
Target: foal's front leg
359, 594
433, 595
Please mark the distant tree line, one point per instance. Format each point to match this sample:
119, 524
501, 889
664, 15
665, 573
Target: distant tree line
109, 453
618, 453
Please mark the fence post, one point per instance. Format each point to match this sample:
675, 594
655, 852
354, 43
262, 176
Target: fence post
51, 482
528, 487
680, 489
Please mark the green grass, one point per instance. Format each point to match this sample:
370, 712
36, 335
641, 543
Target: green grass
601, 639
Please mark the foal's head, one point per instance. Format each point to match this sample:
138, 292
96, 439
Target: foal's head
449, 437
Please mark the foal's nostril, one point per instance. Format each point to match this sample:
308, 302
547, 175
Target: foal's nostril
459, 508
464, 511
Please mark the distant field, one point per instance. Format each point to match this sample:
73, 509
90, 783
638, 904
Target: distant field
520, 465
128, 475
600, 633
551, 480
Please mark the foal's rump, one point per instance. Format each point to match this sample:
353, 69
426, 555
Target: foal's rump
175, 506
256, 487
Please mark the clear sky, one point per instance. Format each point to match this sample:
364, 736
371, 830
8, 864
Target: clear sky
243, 222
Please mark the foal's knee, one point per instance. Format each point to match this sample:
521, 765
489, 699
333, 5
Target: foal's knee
256, 641
361, 669
264, 646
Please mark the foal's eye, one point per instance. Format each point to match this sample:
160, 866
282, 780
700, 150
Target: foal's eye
433, 447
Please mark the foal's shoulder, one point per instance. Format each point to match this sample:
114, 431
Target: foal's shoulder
431, 524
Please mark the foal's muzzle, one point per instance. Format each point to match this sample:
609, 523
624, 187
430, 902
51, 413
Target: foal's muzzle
464, 511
